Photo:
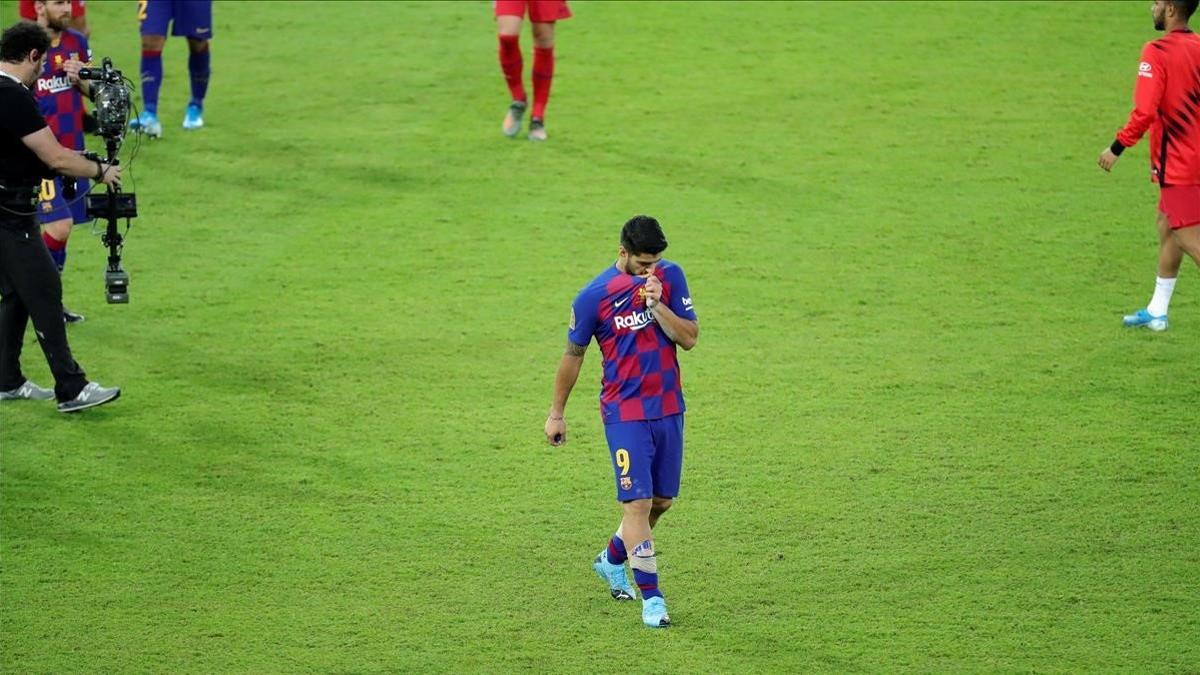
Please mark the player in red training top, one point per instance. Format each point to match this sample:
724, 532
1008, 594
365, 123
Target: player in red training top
78, 15
59, 93
1167, 103
638, 310
542, 14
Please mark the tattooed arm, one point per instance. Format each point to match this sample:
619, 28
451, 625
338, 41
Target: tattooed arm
564, 382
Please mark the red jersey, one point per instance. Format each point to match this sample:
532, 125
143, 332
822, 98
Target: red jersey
28, 11
1166, 101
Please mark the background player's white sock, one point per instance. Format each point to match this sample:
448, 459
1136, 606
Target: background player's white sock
1163, 288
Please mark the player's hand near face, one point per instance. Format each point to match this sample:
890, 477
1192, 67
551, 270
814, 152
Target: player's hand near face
652, 291
556, 430
1107, 159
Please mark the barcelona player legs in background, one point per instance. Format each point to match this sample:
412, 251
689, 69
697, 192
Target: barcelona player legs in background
542, 14
59, 93
638, 311
1166, 89
188, 18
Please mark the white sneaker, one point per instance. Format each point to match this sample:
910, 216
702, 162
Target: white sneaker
28, 392
91, 396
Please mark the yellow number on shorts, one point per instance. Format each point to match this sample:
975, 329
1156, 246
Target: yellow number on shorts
48, 191
142, 10
623, 461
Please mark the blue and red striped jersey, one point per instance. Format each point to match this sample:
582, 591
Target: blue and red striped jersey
641, 374
60, 102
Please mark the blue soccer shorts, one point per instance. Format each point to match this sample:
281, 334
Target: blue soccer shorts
53, 206
647, 457
188, 18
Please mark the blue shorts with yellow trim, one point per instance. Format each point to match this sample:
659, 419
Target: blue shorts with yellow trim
53, 206
647, 457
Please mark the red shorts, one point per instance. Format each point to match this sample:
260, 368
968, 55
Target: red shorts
540, 11
1181, 205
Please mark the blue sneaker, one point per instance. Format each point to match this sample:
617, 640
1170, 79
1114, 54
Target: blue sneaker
194, 117
1143, 318
614, 576
654, 613
148, 124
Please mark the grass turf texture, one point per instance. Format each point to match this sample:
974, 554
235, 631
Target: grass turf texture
918, 436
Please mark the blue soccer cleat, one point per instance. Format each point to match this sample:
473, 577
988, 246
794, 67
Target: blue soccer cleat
1144, 318
194, 117
654, 613
148, 124
613, 575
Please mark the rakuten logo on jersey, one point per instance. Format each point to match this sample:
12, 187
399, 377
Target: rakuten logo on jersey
1144, 70
633, 320
53, 85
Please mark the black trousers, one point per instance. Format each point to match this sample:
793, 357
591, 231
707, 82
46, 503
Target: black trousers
30, 288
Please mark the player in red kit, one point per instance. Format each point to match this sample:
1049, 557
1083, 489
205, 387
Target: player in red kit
1167, 103
542, 14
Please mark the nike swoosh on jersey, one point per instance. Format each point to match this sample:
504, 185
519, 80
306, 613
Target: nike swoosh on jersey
618, 303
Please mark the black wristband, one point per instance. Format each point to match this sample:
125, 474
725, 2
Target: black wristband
99, 171
1117, 148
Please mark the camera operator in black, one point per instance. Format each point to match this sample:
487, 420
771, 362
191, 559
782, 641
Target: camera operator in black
30, 287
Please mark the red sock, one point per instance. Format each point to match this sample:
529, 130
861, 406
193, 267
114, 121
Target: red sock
52, 243
543, 75
57, 249
511, 63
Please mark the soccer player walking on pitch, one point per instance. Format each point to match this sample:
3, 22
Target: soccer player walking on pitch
638, 310
1165, 96
542, 14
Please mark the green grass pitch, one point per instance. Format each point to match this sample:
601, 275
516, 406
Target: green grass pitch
918, 436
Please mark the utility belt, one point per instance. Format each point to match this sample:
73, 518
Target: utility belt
18, 198
18, 205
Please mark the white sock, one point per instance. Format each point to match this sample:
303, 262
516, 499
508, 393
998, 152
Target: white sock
1163, 288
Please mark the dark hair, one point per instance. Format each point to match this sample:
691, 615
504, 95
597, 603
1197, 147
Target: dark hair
643, 234
1185, 7
22, 38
